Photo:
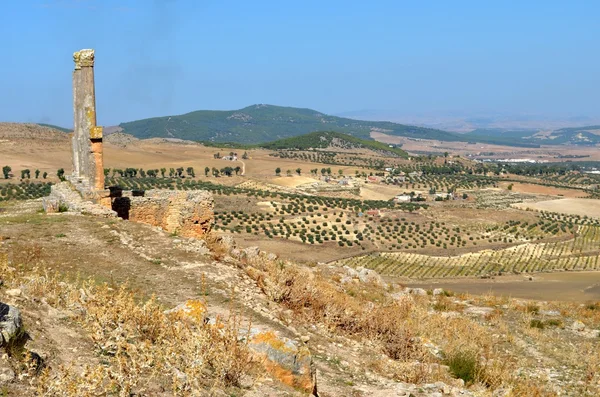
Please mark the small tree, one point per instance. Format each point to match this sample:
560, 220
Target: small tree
106, 171
60, 173
206, 171
341, 172
45, 175
142, 173
237, 169
277, 171
180, 172
245, 156
299, 171
37, 174
289, 172
26, 173
162, 172
215, 172
171, 172
190, 172
6, 171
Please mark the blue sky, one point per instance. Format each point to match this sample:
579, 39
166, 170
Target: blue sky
173, 56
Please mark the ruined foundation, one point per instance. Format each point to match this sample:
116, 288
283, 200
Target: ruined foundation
189, 214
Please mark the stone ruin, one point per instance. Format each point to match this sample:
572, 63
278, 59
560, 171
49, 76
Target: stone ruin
189, 214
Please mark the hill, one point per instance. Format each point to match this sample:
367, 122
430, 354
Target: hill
581, 136
332, 139
263, 123
56, 127
31, 131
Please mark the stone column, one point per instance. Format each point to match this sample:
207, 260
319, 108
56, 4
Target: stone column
88, 167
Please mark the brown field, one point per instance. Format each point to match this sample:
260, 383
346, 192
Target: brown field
531, 188
589, 207
544, 153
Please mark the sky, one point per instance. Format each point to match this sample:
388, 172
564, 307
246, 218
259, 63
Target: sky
164, 57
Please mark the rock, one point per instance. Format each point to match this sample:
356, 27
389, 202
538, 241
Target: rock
251, 252
6, 372
10, 323
13, 292
578, 326
272, 257
236, 253
284, 359
227, 242
438, 291
550, 313
305, 338
370, 276
416, 291
479, 311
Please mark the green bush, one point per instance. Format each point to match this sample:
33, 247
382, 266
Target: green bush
463, 365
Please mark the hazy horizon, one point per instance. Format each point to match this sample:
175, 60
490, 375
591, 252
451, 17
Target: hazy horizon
424, 62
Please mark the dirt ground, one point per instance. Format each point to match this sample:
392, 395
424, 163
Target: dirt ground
589, 207
548, 153
539, 189
564, 286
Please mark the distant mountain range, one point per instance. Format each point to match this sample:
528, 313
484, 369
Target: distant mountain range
264, 123
267, 123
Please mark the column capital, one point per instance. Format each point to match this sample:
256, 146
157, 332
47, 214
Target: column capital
83, 58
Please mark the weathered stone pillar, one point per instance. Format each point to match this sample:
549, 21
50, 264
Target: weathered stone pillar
88, 167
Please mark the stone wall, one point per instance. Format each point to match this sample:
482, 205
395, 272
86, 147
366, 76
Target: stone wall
187, 213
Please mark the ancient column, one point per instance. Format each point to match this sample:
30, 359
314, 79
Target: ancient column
88, 168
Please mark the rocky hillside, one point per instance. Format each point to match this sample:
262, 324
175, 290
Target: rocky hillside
31, 131
95, 306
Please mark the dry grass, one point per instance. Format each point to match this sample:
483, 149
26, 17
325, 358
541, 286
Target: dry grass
401, 328
143, 349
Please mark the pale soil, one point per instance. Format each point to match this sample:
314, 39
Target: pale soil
574, 206
563, 286
539, 189
548, 153
292, 181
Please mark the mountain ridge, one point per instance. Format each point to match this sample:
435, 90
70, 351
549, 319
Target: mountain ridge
263, 123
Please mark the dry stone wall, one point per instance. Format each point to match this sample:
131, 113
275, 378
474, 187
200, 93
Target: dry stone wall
187, 213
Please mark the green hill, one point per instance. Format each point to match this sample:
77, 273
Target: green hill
263, 123
582, 136
332, 139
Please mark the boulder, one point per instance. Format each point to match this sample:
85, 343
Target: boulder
416, 291
438, 291
227, 242
370, 276
288, 361
10, 323
251, 252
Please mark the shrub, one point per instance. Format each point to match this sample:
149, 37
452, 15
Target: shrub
463, 364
